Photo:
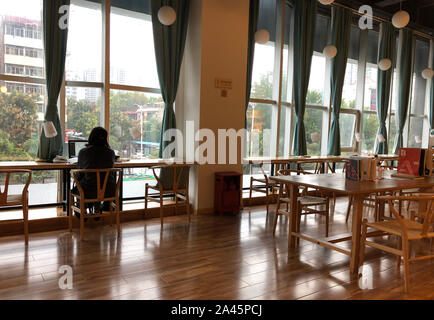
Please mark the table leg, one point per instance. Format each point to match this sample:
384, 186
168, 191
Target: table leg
356, 232
292, 225
121, 191
67, 183
64, 192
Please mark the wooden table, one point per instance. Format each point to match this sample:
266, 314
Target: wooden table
66, 168
336, 182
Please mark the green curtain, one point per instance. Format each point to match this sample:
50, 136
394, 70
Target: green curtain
304, 32
253, 25
386, 49
404, 82
169, 43
340, 38
55, 40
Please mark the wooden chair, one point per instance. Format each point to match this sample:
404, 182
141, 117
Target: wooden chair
173, 180
306, 203
265, 185
406, 229
77, 202
11, 200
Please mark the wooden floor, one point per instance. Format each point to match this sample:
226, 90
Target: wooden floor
213, 257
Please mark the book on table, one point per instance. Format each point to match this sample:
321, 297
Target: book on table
361, 168
414, 162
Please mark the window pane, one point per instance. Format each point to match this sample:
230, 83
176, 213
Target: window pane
313, 125
285, 131
370, 129
259, 128
84, 52
392, 134
263, 61
22, 105
135, 123
262, 76
419, 84
370, 99
347, 124
132, 58
415, 135
350, 86
83, 112
315, 95
42, 189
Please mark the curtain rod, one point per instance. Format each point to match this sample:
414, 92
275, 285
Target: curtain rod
419, 33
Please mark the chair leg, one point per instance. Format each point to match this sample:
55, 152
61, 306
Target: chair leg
327, 217
267, 199
112, 214
70, 212
188, 206
250, 192
276, 215
399, 258
118, 218
363, 242
161, 209
146, 198
82, 224
26, 221
350, 202
406, 264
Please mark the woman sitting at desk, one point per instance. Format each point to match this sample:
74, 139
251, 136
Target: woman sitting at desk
96, 155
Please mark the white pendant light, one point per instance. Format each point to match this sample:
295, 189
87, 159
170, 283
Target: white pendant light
359, 137
418, 139
330, 51
315, 137
427, 73
167, 15
400, 19
384, 64
262, 36
49, 129
326, 2
380, 138
4, 89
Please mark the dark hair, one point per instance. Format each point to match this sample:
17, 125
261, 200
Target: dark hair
98, 137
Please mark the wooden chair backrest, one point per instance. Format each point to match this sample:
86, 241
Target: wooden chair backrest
179, 177
428, 219
101, 188
8, 173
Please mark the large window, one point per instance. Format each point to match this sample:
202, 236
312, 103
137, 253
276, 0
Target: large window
22, 95
133, 82
418, 119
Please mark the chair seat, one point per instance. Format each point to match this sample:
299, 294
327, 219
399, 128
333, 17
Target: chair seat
270, 182
307, 200
310, 200
392, 226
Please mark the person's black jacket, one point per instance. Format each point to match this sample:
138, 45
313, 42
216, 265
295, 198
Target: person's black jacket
96, 157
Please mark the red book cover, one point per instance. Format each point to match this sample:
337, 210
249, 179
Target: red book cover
409, 161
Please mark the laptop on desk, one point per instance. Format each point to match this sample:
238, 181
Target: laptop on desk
74, 147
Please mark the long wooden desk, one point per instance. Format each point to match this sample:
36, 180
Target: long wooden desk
66, 168
336, 182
